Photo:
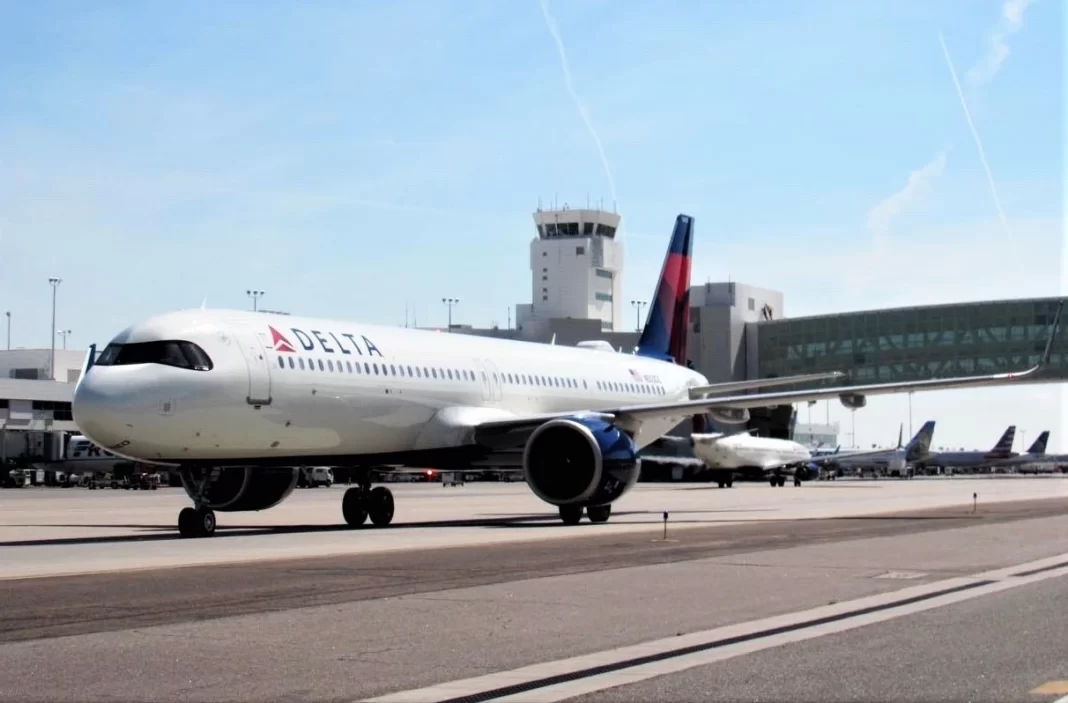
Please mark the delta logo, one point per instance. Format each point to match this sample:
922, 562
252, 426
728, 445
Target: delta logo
338, 343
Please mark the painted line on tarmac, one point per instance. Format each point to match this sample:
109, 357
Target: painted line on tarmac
576, 676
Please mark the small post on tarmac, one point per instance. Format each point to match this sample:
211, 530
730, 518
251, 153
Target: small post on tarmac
665, 525
975, 502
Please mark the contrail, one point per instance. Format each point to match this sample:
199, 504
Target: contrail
551, 24
975, 134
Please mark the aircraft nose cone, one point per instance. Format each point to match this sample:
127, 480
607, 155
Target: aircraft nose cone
98, 410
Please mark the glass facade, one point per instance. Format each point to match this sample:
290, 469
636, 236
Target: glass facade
906, 344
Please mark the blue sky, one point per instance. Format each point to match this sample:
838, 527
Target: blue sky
348, 157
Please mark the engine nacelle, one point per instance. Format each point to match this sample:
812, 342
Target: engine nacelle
808, 472
580, 461
240, 489
730, 416
853, 401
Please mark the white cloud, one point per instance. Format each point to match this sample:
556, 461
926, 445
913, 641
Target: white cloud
920, 184
997, 50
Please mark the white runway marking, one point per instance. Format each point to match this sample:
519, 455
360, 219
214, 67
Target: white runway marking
568, 678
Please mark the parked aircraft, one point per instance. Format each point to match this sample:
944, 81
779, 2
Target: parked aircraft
234, 399
1001, 451
729, 455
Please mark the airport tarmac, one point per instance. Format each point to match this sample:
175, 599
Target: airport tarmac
52, 532
938, 603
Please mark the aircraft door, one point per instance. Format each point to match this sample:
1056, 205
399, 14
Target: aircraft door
259, 368
484, 379
494, 380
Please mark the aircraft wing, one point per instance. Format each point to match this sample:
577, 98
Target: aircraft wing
630, 417
836, 458
732, 386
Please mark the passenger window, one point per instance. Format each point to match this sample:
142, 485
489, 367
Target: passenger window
410, 371
291, 364
418, 374
434, 373
584, 384
281, 363
330, 364
393, 369
301, 361
449, 373
495, 379
321, 366
375, 367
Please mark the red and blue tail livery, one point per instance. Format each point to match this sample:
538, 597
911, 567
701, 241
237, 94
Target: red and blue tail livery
666, 328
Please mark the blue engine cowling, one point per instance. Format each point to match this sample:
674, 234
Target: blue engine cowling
580, 461
808, 472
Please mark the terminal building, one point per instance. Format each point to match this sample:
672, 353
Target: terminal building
35, 412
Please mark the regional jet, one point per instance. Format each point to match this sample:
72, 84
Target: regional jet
775, 459
235, 399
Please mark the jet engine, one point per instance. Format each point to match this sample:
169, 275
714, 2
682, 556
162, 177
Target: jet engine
729, 416
853, 401
580, 461
808, 472
239, 489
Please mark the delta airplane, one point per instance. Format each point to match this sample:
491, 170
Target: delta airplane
234, 400
775, 459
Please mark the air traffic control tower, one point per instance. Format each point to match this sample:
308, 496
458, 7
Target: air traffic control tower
576, 265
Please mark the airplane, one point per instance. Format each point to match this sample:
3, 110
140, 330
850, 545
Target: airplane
1035, 454
234, 399
896, 462
775, 459
1002, 450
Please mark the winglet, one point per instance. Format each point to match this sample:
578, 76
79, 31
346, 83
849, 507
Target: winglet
1054, 329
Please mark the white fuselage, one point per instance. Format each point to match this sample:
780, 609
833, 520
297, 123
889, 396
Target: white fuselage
746, 451
290, 387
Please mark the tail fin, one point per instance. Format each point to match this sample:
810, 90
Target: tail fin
900, 429
668, 323
1039, 447
920, 445
1004, 445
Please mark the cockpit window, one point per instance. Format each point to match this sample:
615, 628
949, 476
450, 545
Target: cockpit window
181, 354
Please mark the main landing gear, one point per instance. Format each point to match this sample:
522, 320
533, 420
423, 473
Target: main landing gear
572, 514
196, 522
362, 502
780, 480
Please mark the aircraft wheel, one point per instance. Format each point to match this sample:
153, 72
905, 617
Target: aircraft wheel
354, 506
782, 481
774, 481
205, 522
797, 481
722, 484
571, 514
599, 513
187, 523
380, 506
730, 483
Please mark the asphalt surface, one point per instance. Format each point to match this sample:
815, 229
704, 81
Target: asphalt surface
349, 627
997, 648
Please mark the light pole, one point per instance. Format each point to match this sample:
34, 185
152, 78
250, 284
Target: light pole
910, 414
255, 295
63, 334
54, 282
638, 305
450, 302
8, 315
